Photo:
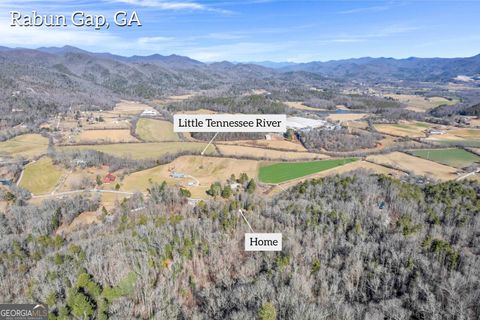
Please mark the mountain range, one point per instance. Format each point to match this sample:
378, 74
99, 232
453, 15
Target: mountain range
71, 76
412, 69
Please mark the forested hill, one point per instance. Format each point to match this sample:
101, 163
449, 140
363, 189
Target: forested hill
51, 80
47, 81
355, 247
377, 69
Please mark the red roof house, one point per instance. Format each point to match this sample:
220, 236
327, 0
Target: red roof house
109, 178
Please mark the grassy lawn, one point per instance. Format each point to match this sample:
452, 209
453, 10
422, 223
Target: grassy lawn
26, 145
205, 170
458, 158
140, 151
280, 172
41, 176
152, 130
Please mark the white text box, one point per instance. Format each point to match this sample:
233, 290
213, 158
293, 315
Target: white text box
263, 242
229, 123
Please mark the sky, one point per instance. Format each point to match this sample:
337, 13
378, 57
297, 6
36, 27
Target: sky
259, 30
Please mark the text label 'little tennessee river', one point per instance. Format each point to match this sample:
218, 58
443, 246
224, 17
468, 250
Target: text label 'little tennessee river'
229, 123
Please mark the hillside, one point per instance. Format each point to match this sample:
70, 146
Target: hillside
356, 246
412, 69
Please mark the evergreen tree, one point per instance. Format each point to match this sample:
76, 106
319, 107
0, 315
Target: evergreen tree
252, 186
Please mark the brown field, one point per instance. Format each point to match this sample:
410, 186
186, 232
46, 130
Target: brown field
445, 138
339, 170
139, 151
458, 135
205, 170
411, 129
105, 136
243, 151
466, 133
346, 116
416, 165
474, 122
358, 124
174, 98
83, 219
72, 181
153, 130
109, 200
299, 105
181, 97
388, 141
25, 145
419, 103
130, 107
272, 144
3, 206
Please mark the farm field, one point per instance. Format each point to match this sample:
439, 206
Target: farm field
105, 136
130, 107
357, 124
474, 121
77, 179
281, 172
357, 165
408, 129
342, 117
466, 133
205, 170
458, 158
460, 136
300, 106
260, 153
152, 130
139, 151
419, 103
26, 145
418, 166
272, 144
41, 176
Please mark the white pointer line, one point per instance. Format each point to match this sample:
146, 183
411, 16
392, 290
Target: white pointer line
209, 143
240, 211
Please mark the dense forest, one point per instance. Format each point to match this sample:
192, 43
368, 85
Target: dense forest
338, 140
357, 246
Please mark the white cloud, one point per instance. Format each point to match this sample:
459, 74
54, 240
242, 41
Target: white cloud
366, 9
153, 40
165, 5
32, 37
173, 5
361, 37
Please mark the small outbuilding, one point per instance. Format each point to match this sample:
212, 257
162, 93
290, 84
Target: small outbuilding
177, 175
